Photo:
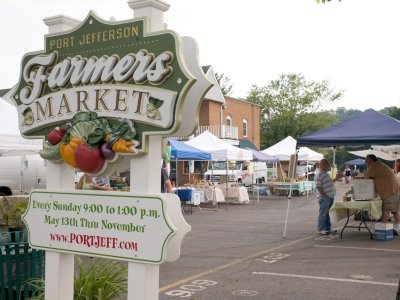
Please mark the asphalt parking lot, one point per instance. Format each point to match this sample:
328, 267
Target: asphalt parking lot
241, 253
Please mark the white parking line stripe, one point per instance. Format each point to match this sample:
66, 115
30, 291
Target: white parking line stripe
358, 248
230, 264
327, 278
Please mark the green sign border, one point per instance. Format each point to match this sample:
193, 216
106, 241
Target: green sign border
151, 41
169, 236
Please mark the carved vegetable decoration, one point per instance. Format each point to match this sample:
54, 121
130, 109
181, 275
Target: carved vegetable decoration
56, 135
89, 142
67, 151
89, 160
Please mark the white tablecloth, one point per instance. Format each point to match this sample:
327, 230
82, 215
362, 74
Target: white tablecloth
239, 193
212, 194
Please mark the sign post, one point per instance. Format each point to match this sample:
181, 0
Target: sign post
103, 94
59, 271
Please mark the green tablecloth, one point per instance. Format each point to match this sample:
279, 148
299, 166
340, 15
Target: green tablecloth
338, 210
300, 186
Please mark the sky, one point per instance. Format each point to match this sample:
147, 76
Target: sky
354, 44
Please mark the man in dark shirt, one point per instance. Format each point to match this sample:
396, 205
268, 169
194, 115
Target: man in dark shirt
166, 186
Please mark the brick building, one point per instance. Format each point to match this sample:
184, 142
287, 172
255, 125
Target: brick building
234, 120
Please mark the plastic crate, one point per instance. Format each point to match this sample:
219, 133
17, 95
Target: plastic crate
383, 232
185, 195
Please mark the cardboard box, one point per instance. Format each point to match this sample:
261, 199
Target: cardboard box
383, 232
364, 189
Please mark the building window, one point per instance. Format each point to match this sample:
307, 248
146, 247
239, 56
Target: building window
245, 128
229, 120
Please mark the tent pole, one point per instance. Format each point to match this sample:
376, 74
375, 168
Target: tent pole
190, 166
307, 174
334, 155
176, 172
226, 185
294, 161
283, 173
252, 184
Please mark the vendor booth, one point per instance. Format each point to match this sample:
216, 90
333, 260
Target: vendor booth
366, 128
221, 151
287, 147
183, 152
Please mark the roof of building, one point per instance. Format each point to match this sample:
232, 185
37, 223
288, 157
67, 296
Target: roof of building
238, 99
246, 144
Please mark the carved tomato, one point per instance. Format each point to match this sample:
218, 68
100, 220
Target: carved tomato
89, 160
55, 136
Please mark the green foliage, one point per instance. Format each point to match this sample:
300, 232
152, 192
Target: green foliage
224, 83
12, 212
344, 113
290, 105
38, 286
393, 112
101, 279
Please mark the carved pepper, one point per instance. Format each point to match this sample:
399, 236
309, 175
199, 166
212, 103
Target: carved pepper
67, 151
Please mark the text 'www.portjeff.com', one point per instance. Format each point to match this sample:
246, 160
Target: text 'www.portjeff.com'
95, 241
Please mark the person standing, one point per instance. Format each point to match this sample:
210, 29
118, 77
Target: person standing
166, 186
325, 195
347, 174
387, 187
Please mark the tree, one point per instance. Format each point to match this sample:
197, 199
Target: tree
290, 105
392, 111
344, 114
224, 83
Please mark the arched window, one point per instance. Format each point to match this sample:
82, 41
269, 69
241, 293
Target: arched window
229, 120
245, 128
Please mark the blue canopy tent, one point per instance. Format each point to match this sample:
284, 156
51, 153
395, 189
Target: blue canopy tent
366, 128
182, 151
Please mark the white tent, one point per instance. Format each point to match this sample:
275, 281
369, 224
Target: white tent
9, 118
220, 150
391, 152
11, 142
285, 148
14, 145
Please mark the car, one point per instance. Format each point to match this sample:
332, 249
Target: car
304, 170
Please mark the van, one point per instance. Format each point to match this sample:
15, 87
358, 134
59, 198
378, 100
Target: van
22, 173
306, 170
239, 172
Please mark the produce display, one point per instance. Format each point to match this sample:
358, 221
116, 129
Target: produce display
119, 184
89, 142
